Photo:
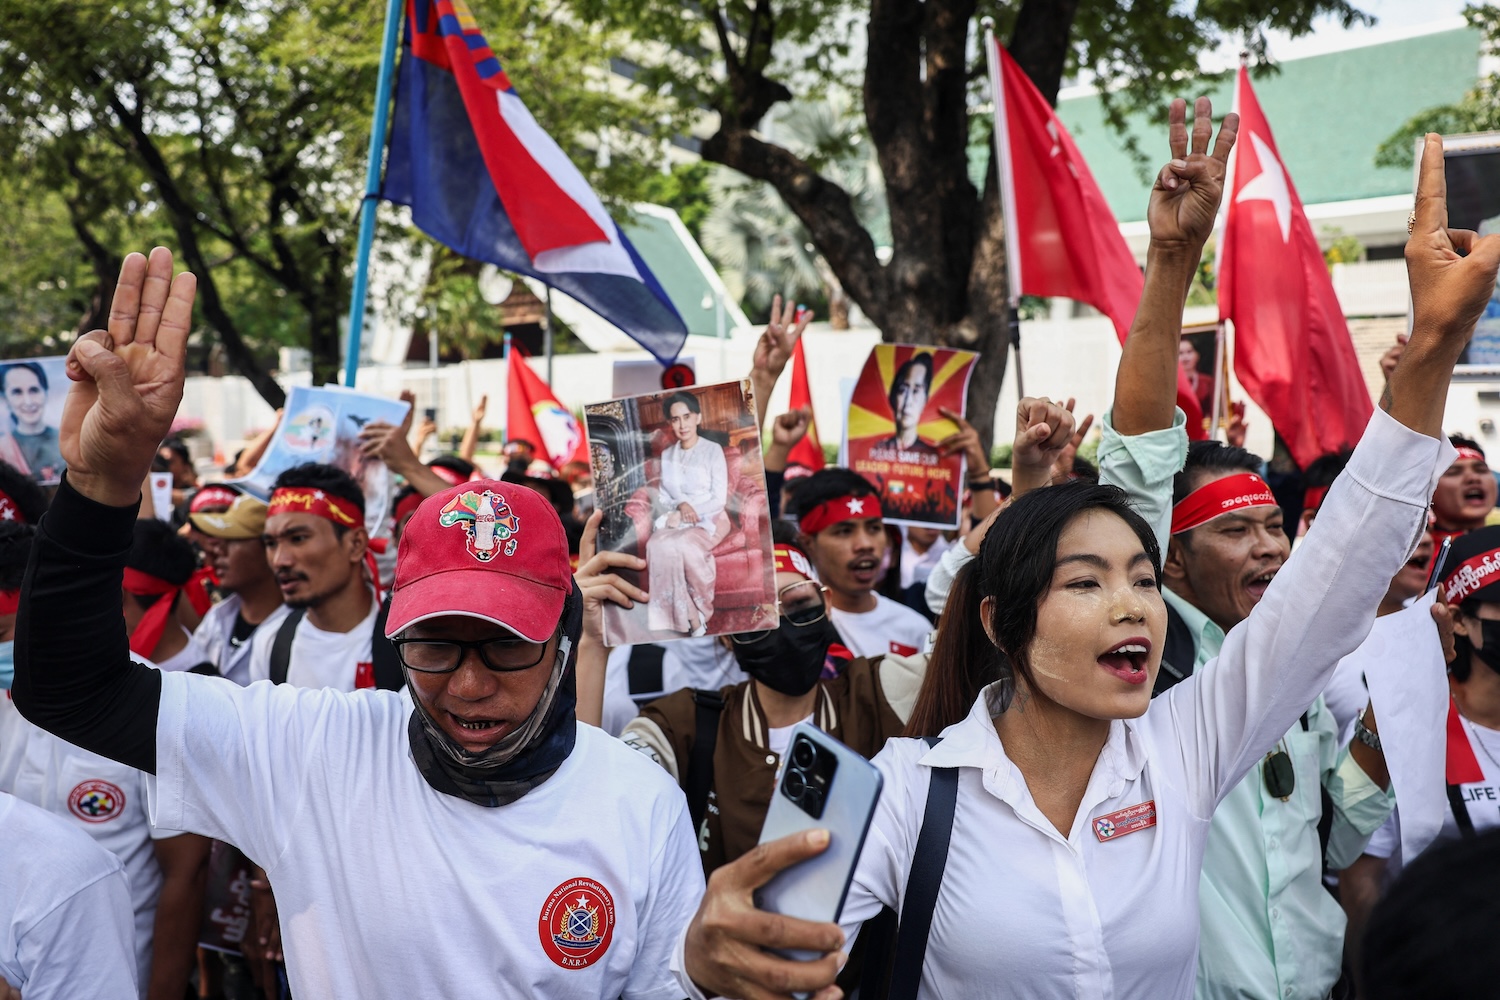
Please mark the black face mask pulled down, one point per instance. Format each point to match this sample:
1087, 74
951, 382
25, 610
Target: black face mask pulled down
526, 756
790, 658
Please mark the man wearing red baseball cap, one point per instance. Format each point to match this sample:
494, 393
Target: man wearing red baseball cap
470, 838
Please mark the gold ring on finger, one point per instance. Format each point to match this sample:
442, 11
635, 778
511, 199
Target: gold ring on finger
1411, 222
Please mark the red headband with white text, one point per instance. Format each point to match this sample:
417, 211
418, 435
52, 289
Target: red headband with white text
1222, 496
829, 513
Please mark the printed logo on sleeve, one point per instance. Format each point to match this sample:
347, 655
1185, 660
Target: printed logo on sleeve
1115, 825
96, 801
901, 649
577, 923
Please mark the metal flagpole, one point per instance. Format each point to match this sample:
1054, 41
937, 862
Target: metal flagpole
384, 84
547, 335
1221, 383
1007, 201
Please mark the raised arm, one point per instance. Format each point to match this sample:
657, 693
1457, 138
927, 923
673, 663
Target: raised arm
774, 350
1184, 202
74, 674
1321, 605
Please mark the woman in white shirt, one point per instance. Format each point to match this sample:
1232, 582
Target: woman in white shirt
690, 522
1082, 805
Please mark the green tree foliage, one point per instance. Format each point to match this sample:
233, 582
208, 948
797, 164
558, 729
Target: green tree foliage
1478, 111
921, 79
235, 131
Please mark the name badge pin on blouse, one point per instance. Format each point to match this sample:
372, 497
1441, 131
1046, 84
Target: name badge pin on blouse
1113, 826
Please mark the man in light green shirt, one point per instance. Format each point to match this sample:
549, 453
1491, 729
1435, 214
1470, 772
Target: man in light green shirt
1269, 928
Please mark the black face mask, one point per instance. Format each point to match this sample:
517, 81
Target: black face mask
790, 659
1489, 634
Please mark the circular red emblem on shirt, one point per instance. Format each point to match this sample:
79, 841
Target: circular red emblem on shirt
96, 801
677, 376
577, 923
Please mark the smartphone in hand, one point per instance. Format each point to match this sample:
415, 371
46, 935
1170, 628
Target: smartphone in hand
822, 784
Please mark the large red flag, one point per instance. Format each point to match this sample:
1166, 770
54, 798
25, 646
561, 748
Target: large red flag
1062, 238
807, 453
1292, 351
533, 413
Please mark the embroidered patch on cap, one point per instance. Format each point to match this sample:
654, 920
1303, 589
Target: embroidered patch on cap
1117, 824
96, 801
490, 526
577, 923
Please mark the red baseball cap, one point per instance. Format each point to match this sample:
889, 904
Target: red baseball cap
488, 550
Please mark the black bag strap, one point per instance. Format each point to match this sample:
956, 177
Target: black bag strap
1325, 801
1179, 654
281, 646
700, 769
1460, 811
644, 671
383, 659
924, 880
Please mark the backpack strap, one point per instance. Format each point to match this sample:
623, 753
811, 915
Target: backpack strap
924, 880
644, 672
1179, 654
1325, 817
281, 646
1460, 811
700, 769
383, 659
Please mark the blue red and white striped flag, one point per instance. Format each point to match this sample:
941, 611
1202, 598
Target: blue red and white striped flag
483, 177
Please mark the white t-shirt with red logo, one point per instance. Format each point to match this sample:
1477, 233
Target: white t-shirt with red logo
387, 887
65, 922
889, 628
338, 660
99, 796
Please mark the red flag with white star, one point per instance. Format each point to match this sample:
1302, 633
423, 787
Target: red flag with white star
1292, 350
1061, 237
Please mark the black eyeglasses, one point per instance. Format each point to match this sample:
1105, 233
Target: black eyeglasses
443, 656
802, 603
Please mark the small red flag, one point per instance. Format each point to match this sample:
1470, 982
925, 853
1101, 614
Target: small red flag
1062, 237
807, 453
1292, 350
533, 413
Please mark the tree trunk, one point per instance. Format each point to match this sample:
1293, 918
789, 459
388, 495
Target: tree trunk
946, 279
106, 266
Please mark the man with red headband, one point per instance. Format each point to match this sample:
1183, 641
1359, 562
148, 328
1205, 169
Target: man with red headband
843, 533
1268, 928
162, 583
1466, 493
316, 544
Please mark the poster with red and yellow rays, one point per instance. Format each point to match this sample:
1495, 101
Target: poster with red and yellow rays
896, 424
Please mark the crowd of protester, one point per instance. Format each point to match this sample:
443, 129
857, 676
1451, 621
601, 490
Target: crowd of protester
247, 751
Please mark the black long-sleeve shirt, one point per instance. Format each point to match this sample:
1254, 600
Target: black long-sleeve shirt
74, 675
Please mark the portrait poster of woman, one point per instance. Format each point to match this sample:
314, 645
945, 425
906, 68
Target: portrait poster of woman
34, 391
895, 424
678, 476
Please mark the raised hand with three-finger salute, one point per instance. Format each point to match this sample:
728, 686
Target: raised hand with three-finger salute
127, 381
1452, 276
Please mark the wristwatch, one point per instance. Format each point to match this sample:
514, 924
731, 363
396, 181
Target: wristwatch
981, 485
1369, 739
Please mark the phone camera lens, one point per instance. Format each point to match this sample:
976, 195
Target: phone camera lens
803, 754
795, 784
